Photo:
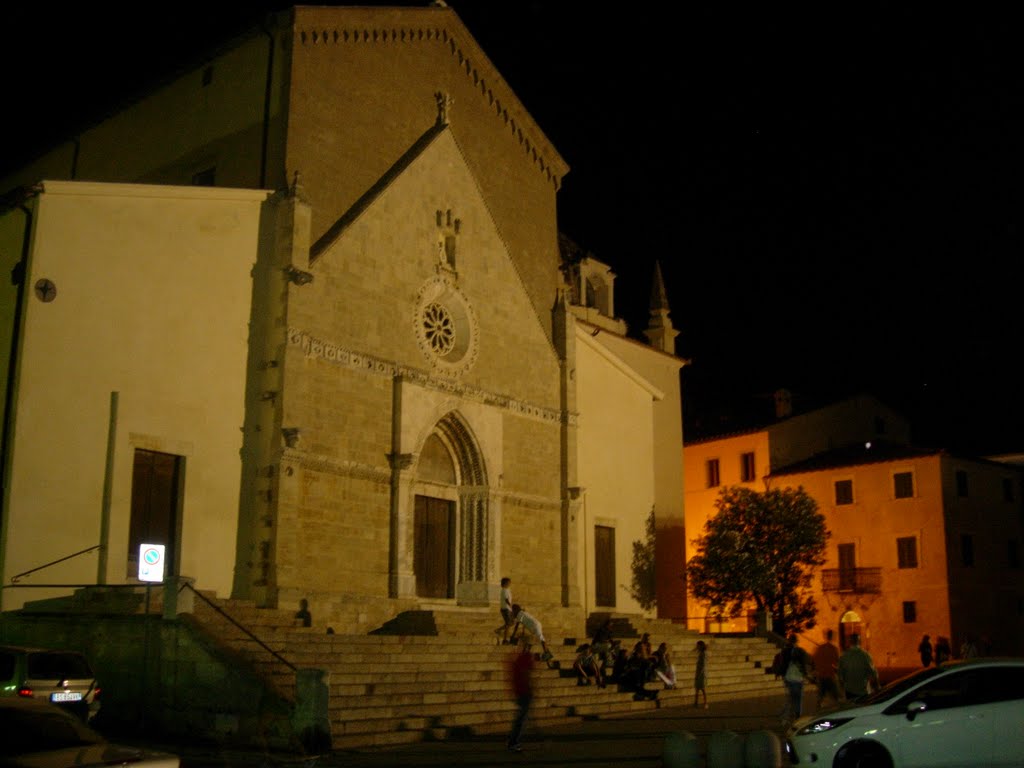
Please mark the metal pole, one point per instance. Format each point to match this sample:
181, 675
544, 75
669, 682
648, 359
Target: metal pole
108, 480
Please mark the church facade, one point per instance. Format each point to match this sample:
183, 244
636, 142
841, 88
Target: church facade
302, 316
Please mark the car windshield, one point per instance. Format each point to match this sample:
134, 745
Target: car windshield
58, 665
897, 687
23, 731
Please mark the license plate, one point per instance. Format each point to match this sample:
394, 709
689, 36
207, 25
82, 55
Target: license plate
66, 696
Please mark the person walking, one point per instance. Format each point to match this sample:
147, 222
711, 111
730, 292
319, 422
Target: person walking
520, 674
796, 665
700, 675
826, 665
857, 672
943, 652
925, 649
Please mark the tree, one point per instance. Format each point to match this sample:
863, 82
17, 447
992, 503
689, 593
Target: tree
642, 587
761, 548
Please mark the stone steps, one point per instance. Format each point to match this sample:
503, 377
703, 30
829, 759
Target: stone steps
387, 688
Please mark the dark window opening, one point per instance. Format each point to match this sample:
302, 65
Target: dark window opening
714, 480
747, 473
967, 549
844, 492
906, 552
961, 483
909, 611
903, 485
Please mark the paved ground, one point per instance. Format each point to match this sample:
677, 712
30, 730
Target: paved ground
636, 741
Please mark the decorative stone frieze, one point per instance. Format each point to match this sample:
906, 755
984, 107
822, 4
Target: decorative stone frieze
337, 355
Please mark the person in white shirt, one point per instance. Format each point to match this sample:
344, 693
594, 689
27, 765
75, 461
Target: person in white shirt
507, 618
531, 625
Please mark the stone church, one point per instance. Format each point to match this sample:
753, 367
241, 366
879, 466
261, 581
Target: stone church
301, 316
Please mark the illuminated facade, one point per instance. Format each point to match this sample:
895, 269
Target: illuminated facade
373, 341
922, 542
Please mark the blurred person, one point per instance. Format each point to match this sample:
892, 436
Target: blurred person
520, 680
826, 666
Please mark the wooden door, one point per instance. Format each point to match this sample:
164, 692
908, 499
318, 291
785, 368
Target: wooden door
604, 566
432, 559
156, 479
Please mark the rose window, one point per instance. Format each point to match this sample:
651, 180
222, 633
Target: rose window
439, 329
446, 331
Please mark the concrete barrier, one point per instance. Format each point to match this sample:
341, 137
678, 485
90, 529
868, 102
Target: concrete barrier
681, 750
763, 750
725, 749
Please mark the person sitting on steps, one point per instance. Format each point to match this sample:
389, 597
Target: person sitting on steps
587, 666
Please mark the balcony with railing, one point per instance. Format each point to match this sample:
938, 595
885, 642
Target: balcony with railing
858, 580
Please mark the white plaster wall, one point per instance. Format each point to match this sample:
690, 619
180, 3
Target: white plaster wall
153, 298
616, 461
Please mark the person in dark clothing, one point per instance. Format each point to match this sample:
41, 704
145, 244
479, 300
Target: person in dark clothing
520, 673
925, 649
602, 643
796, 669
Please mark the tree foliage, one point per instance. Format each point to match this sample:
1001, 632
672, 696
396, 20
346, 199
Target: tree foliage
642, 587
761, 548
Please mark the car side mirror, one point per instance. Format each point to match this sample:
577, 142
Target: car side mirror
915, 708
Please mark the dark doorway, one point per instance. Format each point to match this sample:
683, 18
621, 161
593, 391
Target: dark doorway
156, 484
432, 559
604, 566
846, 629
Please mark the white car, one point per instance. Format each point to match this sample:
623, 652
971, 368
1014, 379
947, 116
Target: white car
37, 734
962, 714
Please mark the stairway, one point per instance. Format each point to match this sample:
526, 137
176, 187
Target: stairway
429, 675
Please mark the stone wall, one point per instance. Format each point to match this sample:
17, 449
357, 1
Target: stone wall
161, 676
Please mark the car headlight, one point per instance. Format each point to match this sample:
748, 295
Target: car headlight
822, 725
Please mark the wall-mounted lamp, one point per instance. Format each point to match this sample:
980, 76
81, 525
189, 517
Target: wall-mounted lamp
291, 436
298, 276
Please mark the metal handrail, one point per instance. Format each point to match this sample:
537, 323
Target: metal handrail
14, 579
152, 585
246, 630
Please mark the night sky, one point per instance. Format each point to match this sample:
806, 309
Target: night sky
834, 198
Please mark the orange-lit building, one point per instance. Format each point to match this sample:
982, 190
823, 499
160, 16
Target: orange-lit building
922, 541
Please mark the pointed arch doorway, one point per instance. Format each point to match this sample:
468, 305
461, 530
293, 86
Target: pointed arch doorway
451, 532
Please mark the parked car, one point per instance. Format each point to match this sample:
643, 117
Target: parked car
37, 734
961, 713
62, 677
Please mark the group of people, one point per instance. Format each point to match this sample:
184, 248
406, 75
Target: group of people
632, 669
599, 662
605, 660
847, 675
943, 651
